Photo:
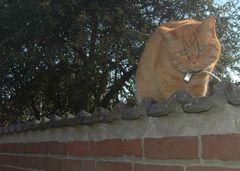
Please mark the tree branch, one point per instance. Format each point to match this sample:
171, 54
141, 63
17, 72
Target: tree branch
105, 102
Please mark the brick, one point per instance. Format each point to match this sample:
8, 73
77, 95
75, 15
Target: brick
37, 162
141, 167
9, 147
11, 160
132, 147
22, 161
4, 168
1, 147
78, 148
8, 160
9, 168
53, 164
19, 148
16, 169
202, 168
37, 148
112, 147
73, 165
171, 148
223, 147
55, 147
1, 159
113, 166
88, 165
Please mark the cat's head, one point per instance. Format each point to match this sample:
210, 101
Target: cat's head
192, 46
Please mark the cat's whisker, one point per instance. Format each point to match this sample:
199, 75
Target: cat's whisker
213, 75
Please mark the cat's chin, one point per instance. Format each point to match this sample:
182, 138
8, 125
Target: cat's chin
191, 71
195, 70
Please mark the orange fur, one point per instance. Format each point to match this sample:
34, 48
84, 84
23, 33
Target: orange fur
174, 49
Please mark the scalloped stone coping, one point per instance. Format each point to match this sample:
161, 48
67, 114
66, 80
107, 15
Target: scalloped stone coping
215, 121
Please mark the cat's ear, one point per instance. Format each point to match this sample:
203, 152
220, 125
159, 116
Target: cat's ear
208, 26
167, 34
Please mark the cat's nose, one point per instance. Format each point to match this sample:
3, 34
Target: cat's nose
194, 60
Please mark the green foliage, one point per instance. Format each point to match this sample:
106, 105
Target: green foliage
67, 55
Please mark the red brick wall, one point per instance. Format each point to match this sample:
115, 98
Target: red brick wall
203, 153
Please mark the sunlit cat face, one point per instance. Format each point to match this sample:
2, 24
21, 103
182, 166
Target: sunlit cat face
193, 47
194, 51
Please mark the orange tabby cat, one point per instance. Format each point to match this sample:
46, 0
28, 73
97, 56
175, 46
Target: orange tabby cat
173, 50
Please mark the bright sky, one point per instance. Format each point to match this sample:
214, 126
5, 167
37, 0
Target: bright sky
234, 75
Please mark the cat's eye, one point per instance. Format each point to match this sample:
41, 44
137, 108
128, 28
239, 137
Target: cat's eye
203, 48
182, 52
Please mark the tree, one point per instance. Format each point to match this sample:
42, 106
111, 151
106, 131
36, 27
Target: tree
67, 55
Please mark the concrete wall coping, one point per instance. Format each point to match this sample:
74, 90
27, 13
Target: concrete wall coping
181, 115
